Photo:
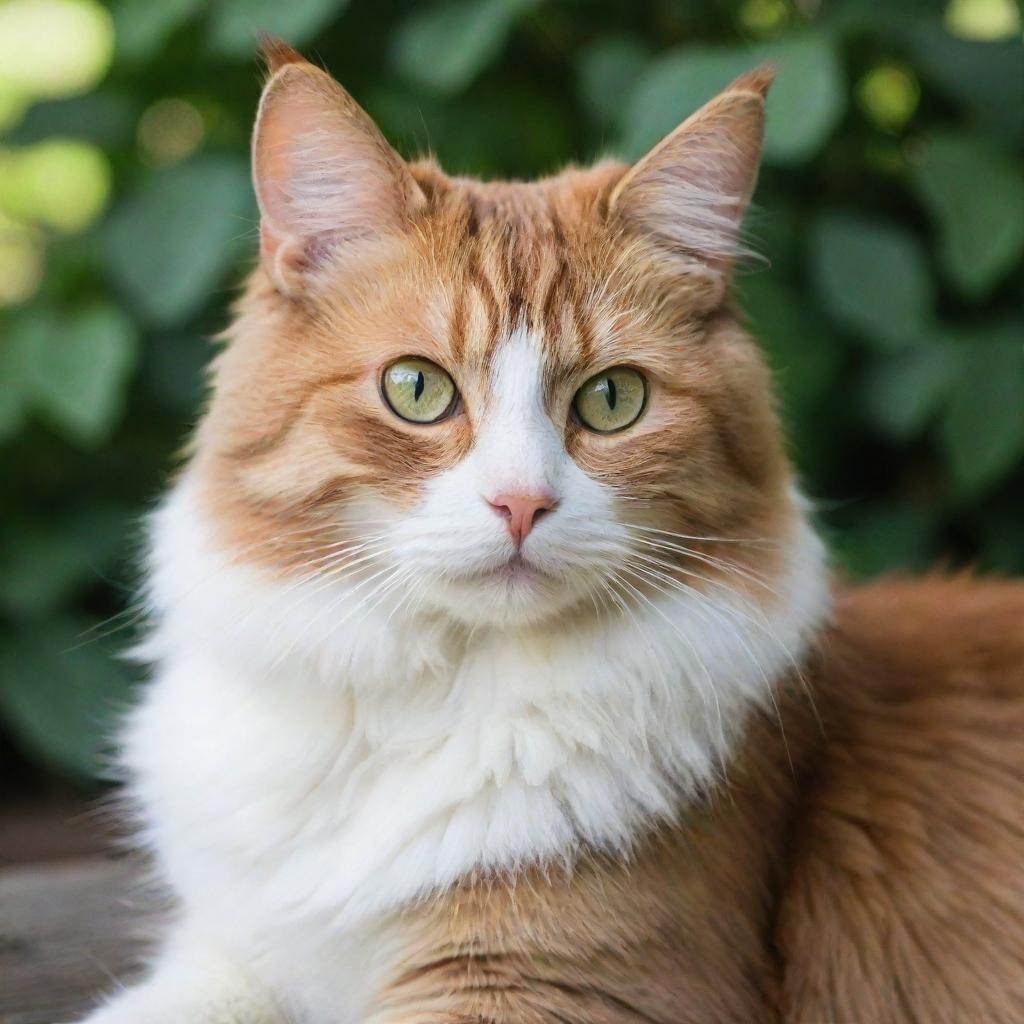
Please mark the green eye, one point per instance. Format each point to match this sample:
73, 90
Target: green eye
612, 400
418, 390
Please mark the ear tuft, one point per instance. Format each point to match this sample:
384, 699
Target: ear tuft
278, 54
757, 80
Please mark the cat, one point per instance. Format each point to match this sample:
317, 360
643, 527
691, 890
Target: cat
499, 673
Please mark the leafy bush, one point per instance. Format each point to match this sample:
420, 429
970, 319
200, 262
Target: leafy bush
891, 209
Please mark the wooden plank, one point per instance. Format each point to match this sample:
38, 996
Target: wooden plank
68, 933
54, 829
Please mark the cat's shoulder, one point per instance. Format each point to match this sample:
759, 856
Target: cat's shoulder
910, 816
919, 690
945, 652
934, 622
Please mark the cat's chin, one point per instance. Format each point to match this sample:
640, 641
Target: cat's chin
516, 572
516, 592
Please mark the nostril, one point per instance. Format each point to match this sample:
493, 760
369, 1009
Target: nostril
500, 507
541, 511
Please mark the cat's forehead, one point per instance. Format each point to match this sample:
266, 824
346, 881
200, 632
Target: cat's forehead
568, 199
514, 282
521, 260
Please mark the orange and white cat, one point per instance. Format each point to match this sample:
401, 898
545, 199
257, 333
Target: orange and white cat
499, 676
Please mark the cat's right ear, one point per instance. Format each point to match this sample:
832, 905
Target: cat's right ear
690, 192
325, 178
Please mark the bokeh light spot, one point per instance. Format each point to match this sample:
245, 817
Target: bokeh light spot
764, 17
889, 95
169, 130
62, 183
13, 104
983, 20
21, 262
54, 48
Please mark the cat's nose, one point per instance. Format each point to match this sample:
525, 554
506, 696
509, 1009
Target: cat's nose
521, 511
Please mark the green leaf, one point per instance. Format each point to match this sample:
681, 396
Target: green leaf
77, 366
61, 691
805, 357
800, 351
804, 105
106, 118
445, 46
1003, 538
41, 566
903, 392
889, 537
169, 244
983, 429
142, 27
976, 198
14, 388
236, 24
467, 136
868, 16
873, 277
987, 78
607, 72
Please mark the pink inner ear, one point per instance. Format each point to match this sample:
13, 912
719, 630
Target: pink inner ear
269, 242
272, 171
323, 173
692, 190
724, 148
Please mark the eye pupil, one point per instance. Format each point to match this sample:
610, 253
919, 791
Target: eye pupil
611, 401
418, 391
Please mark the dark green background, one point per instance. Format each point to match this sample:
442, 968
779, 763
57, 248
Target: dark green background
890, 210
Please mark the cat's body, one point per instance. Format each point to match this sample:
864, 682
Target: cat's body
498, 677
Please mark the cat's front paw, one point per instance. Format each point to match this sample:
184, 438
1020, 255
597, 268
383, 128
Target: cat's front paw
120, 1013
137, 1008
113, 1014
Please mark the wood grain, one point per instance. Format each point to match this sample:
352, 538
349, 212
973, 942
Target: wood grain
68, 933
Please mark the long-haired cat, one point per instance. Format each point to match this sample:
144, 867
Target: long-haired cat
498, 673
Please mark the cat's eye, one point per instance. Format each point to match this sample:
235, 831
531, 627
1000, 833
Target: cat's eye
611, 400
418, 390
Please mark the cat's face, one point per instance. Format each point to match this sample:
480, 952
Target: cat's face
499, 401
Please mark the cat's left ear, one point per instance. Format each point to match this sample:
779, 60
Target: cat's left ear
690, 192
326, 179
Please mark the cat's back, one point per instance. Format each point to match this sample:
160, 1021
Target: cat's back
905, 891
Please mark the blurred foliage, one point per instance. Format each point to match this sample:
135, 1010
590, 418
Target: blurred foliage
891, 211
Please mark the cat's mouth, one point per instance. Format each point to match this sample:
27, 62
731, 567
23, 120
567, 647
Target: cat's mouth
516, 570
506, 591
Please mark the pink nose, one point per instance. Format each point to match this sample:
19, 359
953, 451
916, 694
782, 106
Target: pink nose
521, 511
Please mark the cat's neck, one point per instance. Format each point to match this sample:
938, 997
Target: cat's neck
483, 748
691, 911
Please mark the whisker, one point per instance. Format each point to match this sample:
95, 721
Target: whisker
752, 541
330, 608
689, 643
707, 605
710, 581
717, 563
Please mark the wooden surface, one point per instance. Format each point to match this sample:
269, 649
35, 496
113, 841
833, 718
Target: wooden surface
69, 932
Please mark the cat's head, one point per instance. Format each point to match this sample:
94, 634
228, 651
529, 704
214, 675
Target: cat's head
498, 400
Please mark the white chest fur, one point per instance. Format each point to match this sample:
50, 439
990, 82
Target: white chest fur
370, 765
